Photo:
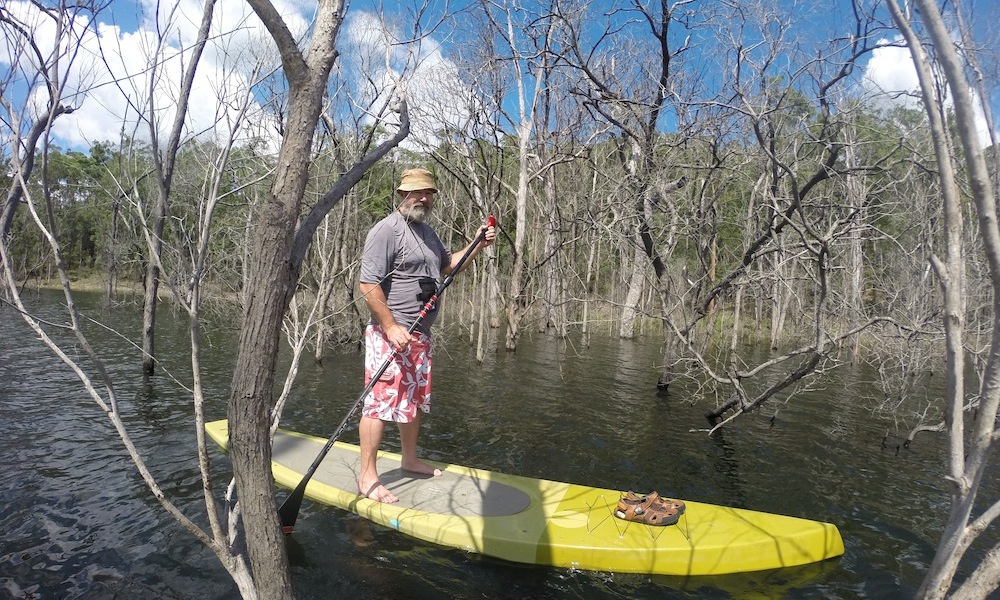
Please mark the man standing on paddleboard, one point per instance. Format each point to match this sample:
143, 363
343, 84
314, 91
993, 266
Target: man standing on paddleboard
403, 263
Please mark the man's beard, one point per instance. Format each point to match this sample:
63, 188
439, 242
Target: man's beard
414, 212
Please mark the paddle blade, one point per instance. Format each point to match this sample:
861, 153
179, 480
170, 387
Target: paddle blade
289, 510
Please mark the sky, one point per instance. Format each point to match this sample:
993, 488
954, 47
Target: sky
112, 75
111, 72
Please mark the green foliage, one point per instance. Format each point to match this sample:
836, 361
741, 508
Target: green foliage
77, 188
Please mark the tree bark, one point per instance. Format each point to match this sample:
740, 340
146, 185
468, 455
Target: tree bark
272, 272
635, 268
279, 249
272, 276
854, 184
547, 320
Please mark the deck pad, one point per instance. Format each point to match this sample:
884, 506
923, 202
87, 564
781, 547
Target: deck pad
450, 494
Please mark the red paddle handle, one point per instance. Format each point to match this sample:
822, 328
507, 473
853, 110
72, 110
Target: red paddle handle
491, 221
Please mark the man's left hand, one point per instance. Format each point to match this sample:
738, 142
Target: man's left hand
490, 236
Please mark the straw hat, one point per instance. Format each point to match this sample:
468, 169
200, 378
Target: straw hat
416, 179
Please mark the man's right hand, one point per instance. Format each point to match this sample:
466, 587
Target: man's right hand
398, 336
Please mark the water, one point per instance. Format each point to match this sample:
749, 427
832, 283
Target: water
78, 522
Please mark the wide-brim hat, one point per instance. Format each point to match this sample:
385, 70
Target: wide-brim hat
416, 179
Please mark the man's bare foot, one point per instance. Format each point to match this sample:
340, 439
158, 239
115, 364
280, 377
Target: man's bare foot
377, 492
419, 466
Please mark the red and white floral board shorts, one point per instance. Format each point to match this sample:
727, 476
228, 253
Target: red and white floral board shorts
406, 384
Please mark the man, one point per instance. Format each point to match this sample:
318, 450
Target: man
402, 265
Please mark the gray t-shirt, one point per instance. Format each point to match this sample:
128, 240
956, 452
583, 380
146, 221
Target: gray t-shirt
397, 255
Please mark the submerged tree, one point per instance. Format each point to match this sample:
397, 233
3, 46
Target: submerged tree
164, 161
970, 450
281, 237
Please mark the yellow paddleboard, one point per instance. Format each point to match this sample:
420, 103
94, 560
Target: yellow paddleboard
543, 522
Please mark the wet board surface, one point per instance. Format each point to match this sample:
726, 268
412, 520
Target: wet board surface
537, 521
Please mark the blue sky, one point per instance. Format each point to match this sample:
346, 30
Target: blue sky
116, 55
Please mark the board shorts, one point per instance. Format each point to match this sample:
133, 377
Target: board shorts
405, 387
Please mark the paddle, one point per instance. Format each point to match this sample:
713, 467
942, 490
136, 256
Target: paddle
289, 510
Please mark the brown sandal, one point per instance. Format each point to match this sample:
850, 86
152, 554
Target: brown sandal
650, 509
677, 505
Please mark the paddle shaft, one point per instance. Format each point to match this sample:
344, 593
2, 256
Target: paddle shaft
289, 510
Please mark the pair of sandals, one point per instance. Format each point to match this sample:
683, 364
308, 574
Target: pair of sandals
651, 509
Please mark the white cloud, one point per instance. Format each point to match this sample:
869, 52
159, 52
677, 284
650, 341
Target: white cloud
109, 83
435, 93
890, 79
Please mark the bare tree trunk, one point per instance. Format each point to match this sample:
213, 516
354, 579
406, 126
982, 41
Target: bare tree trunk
979, 86
590, 281
637, 264
737, 318
113, 251
327, 257
152, 289
780, 297
670, 343
515, 297
984, 580
856, 191
481, 319
249, 418
563, 297
274, 265
547, 321
968, 458
165, 163
635, 274
528, 100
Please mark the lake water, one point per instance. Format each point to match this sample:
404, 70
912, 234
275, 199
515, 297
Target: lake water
77, 521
